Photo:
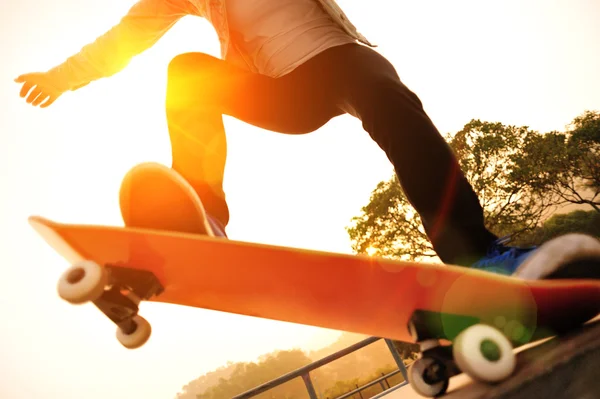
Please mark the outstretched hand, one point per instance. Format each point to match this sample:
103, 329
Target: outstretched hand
39, 88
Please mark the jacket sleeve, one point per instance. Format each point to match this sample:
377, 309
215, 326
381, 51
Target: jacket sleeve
144, 24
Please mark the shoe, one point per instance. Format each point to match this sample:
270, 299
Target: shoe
571, 255
502, 259
157, 197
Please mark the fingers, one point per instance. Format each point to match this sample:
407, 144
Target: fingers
37, 92
49, 101
26, 88
43, 99
39, 99
34, 94
38, 96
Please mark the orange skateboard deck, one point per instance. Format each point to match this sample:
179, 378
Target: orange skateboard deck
405, 301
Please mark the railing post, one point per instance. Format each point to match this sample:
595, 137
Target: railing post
309, 386
397, 358
359, 392
386, 382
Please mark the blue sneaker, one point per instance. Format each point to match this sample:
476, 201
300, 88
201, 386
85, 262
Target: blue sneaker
502, 259
572, 255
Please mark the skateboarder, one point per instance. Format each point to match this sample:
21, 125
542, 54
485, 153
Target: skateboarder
288, 66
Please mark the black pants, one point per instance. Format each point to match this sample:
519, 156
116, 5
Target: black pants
351, 79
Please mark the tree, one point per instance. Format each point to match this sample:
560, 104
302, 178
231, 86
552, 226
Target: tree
342, 387
585, 136
246, 376
201, 384
389, 227
520, 176
586, 222
487, 153
563, 166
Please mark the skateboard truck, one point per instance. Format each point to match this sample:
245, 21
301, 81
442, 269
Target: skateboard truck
479, 350
116, 291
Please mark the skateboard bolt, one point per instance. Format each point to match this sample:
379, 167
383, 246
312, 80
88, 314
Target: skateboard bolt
76, 275
130, 328
490, 350
434, 373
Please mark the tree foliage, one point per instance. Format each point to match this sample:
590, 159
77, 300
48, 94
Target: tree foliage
585, 135
520, 176
342, 387
389, 227
246, 376
201, 384
487, 153
586, 222
564, 166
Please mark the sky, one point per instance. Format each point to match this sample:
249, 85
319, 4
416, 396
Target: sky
528, 63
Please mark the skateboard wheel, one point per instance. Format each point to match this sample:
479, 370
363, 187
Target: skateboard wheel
138, 337
84, 281
421, 383
484, 353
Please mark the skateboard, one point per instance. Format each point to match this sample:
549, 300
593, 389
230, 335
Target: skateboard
465, 320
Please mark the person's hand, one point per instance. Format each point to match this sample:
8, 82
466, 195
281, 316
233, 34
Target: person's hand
40, 88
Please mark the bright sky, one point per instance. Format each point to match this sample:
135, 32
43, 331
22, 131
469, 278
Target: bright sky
523, 62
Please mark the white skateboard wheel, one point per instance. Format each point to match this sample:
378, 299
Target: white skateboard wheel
138, 337
84, 281
484, 353
416, 378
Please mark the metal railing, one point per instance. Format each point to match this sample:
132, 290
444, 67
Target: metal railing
304, 372
379, 381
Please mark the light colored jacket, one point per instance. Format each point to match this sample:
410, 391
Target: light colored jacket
146, 22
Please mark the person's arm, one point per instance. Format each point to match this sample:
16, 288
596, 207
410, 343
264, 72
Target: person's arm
145, 23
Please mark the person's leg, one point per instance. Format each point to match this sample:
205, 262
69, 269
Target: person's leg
369, 88
350, 78
201, 89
